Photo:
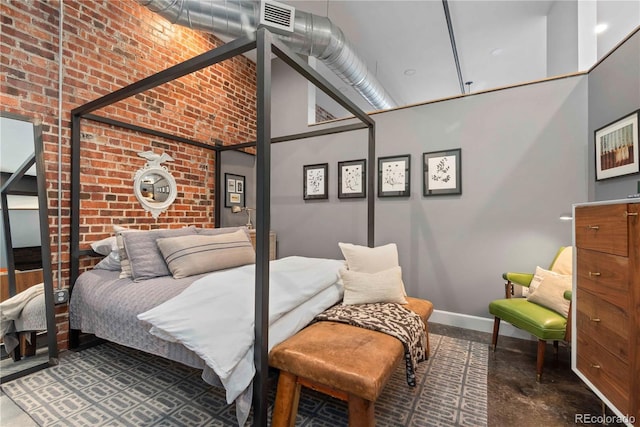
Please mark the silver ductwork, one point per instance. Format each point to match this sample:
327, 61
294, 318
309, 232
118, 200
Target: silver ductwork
313, 36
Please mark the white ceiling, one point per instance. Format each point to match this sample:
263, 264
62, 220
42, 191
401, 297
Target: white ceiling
499, 43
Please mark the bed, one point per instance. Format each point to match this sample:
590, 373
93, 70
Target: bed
23, 315
203, 320
266, 45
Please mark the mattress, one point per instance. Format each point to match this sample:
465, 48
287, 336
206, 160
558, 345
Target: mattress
33, 316
105, 305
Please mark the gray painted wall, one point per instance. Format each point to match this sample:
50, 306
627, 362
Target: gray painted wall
527, 156
614, 92
524, 152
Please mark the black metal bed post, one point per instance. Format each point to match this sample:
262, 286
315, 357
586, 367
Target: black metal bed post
216, 187
371, 179
74, 237
263, 224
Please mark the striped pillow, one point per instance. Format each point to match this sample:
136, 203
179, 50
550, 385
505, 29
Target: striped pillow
196, 254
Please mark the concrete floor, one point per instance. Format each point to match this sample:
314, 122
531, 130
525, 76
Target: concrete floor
514, 397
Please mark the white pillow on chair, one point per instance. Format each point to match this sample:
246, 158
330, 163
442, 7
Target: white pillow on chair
550, 293
564, 262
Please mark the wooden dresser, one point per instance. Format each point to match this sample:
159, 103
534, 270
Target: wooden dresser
272, 242
606, 321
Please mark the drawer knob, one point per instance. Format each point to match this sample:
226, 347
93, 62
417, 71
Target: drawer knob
595, 366
593, 227
594, 319
594, 274
631, 214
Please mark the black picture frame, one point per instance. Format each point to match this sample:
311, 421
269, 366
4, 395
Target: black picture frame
394, 176
315, 181
442, 172
352, 182
233, 197
616, 147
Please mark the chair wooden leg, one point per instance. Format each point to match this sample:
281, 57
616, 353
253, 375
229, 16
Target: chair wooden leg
496, 329
555, 350
542, 344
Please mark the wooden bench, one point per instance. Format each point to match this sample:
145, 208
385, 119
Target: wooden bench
343, 361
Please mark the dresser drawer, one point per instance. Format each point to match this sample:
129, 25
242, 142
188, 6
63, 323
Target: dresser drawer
602, 228
604, 323
604, 275
607, 373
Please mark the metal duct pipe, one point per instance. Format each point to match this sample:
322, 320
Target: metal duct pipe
313, 36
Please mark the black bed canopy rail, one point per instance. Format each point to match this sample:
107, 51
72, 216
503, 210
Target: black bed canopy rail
265, 44
214, 56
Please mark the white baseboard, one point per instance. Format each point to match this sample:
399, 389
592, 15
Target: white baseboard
476, 323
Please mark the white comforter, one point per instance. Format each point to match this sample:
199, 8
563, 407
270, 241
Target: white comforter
214, 317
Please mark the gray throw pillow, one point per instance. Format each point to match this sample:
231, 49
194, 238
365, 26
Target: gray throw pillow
191, 255
142, 252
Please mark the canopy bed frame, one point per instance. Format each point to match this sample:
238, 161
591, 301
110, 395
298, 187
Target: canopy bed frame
266, 44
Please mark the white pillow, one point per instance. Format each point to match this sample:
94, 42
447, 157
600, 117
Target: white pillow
369, 288
125, 264
105, 246
539, 277
564, 262
550, 293
110, 262
363, 259
370, 260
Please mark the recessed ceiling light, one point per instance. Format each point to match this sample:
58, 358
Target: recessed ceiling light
409, 72
497, 51
601, 28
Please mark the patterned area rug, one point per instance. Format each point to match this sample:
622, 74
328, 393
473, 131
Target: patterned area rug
111, 385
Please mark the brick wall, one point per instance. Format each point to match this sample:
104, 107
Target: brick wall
107, 45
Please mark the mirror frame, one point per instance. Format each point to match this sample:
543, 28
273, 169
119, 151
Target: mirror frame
155, 208
43, 215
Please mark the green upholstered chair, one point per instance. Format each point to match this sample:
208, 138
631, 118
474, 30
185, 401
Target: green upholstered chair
543, 323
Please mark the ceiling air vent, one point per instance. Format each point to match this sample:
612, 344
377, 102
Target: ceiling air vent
277, 15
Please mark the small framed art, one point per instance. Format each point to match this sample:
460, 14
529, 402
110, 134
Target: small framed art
316, 181
442, 172
617, 148
234, 190
352, 179
394, 176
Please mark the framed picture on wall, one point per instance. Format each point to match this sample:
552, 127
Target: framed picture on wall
352, 179
316, 181
234, 194
394, 176
442, 172
617, 148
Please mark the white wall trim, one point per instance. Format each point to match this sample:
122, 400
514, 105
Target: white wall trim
476, 323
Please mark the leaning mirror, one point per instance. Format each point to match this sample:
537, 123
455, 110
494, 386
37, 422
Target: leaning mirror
153, 185
27, 325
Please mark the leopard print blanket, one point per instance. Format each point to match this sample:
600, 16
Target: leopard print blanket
389, 318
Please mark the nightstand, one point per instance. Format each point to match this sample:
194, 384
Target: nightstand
272, 242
